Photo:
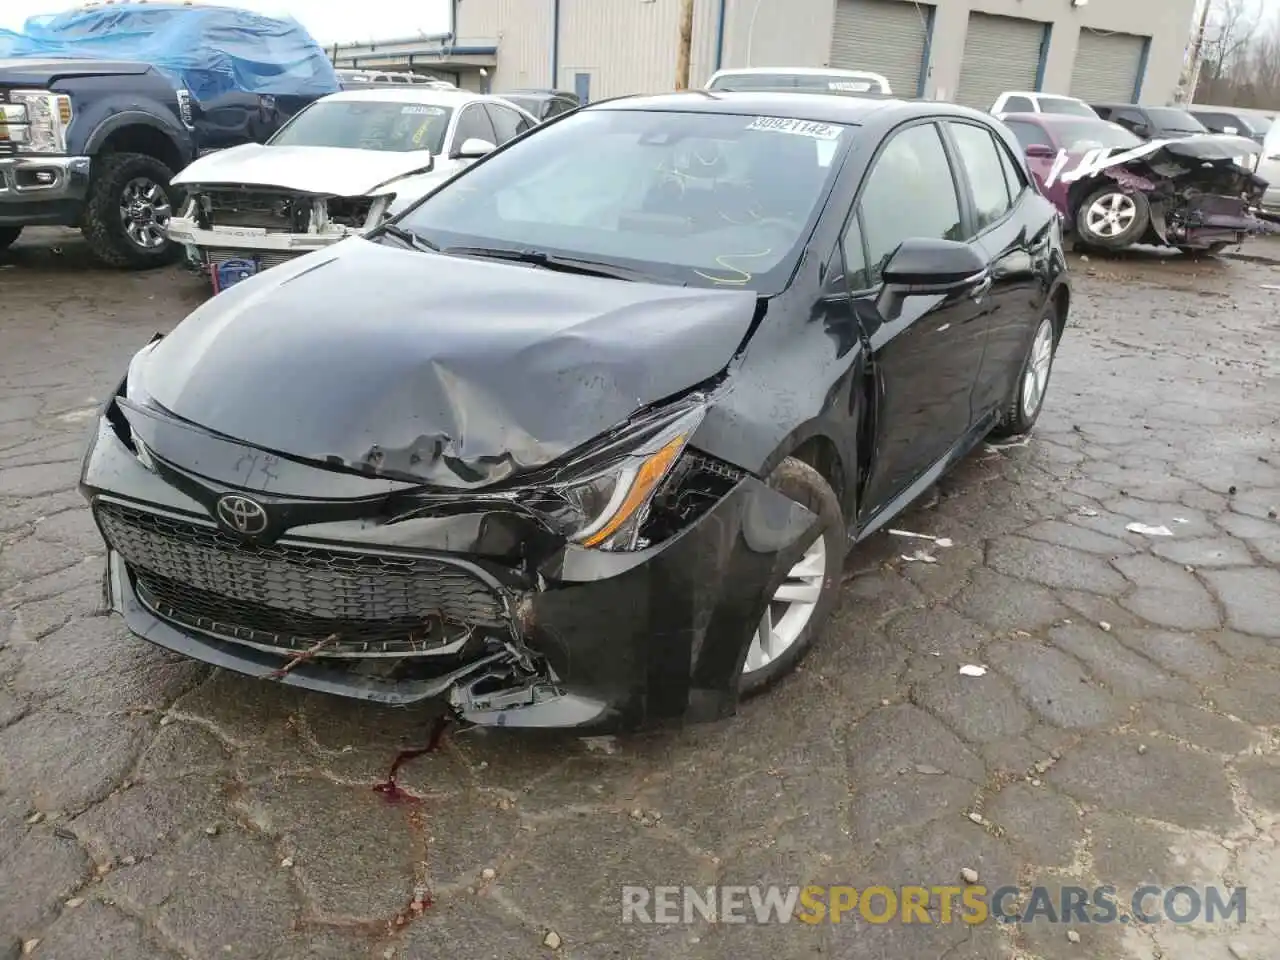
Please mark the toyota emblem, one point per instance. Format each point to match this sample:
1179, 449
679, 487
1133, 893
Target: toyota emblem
242, 515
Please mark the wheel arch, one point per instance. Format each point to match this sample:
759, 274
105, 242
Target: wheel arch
139, 133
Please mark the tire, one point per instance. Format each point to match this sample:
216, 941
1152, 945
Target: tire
116, 177
7, 236
1019, 417
1131, 218
805, 485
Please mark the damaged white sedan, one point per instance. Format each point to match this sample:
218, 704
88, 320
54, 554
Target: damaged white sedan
339, 167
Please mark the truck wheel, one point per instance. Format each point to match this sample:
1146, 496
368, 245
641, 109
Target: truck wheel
7, 236
1110, 219
130, 202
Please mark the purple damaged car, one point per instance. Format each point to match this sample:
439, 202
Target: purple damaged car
1196, 193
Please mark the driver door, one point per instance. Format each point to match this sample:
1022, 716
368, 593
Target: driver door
926, 359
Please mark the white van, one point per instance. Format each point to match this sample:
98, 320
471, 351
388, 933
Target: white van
1269, 169
1023, 101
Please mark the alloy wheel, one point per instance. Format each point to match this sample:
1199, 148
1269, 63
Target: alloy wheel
790, 609
1035, 381
1111, 215
145, 211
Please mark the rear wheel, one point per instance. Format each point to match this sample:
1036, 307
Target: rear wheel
803, 602
1110, 219
1026, 398
7, 236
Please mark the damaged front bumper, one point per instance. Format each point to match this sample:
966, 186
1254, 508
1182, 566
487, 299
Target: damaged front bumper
590, 639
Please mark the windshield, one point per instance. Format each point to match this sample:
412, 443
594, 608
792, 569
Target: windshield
531, 104
1061, 105
1082, 134
1171, 118
367, 125
812, 82
710, 200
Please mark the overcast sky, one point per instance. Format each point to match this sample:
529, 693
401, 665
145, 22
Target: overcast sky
336, 21
329, 21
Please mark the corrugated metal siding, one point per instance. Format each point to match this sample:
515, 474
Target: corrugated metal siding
523, 30
629, 46
1000, 53
1107, 66
886, 36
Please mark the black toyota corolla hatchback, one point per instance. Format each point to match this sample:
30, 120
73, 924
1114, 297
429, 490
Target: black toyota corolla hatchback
583, 438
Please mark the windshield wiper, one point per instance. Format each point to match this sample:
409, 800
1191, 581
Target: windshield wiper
552, 261
409, 237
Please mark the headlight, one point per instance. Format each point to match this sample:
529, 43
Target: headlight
43, 129
615, 501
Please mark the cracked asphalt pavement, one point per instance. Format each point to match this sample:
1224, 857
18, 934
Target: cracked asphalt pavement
1127, 728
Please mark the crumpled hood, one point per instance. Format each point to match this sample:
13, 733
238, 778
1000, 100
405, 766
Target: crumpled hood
324, 170
457, 372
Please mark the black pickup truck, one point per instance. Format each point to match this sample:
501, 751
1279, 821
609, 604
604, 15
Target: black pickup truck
92, 144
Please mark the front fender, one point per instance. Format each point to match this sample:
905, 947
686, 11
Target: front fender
177, 134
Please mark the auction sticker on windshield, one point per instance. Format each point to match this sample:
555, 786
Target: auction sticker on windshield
418, 108
801, 128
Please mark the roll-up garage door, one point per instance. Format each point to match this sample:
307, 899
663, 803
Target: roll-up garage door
1107, 66
888, 37
1000, 53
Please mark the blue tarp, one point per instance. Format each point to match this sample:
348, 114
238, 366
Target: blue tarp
207, 50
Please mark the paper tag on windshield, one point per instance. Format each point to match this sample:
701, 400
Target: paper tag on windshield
802, 128
419, 108
851, 86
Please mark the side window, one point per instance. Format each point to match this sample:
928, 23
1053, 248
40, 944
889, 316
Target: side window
1028, 134
1018, 105
474, 122
1013, 176
910, 192
506, 123
557, 107
981, 162
855, 257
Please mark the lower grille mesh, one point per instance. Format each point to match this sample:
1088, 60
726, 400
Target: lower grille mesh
291, 596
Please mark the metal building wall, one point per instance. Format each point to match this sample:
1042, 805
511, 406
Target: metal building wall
523, 31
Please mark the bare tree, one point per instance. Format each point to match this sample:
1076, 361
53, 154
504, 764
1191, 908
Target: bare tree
1239, 56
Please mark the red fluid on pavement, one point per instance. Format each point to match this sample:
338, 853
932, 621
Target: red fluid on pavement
390, 790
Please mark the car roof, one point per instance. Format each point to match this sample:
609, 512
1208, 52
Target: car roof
411, 93
1040, 95
797, 71
818, 107
1054, 119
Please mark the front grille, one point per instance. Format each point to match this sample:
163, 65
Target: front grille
274, 210
266, 259
290, 596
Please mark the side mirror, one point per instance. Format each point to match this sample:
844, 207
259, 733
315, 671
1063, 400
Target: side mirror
1041, 150
1141, 130
473, 148
921, 266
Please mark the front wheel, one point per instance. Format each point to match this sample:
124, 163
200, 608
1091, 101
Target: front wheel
1022, 409
801, 605
7, 236
1110, 219
130, 204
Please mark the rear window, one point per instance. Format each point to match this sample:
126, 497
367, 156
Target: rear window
809, 82
1070, 108
1171, 118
